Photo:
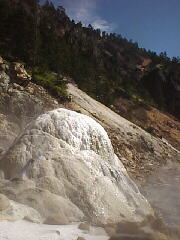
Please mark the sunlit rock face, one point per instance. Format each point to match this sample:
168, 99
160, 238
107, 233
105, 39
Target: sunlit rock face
70, 155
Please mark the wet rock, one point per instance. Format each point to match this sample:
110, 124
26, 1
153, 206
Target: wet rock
56, 220
84, 226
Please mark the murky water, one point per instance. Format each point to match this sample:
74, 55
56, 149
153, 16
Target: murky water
162, 189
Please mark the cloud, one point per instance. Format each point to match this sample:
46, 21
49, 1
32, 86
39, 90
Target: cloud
85, 11
103, 25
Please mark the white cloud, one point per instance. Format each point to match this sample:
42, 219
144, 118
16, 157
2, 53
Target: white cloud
103, 25
85, 11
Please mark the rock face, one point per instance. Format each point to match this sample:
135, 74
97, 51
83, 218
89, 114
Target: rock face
19, 104
72, 151
140, 152
19, 73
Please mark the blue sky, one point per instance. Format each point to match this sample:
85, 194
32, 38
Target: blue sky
154, 24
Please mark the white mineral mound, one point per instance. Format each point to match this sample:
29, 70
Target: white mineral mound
70, 159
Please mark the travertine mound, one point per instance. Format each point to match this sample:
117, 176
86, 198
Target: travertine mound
73, 152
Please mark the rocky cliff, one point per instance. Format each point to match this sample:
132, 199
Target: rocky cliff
67, 159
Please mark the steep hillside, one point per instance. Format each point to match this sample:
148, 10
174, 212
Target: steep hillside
60, 163
140, 152
106, 66
91, 117
150, 119
22, 101
63, 178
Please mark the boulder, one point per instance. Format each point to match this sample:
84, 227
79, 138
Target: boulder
84, 226
73, 151
18, 74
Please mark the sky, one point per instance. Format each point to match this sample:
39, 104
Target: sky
154, 24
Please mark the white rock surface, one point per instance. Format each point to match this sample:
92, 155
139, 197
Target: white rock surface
73, 149
22, 230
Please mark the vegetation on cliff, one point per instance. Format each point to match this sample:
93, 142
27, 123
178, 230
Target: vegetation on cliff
105, 65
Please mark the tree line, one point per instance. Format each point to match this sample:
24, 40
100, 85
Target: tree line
102, 64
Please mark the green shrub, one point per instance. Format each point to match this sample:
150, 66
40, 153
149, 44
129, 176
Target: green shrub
51, 82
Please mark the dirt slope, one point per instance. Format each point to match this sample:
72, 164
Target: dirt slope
150, 119
140, 151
